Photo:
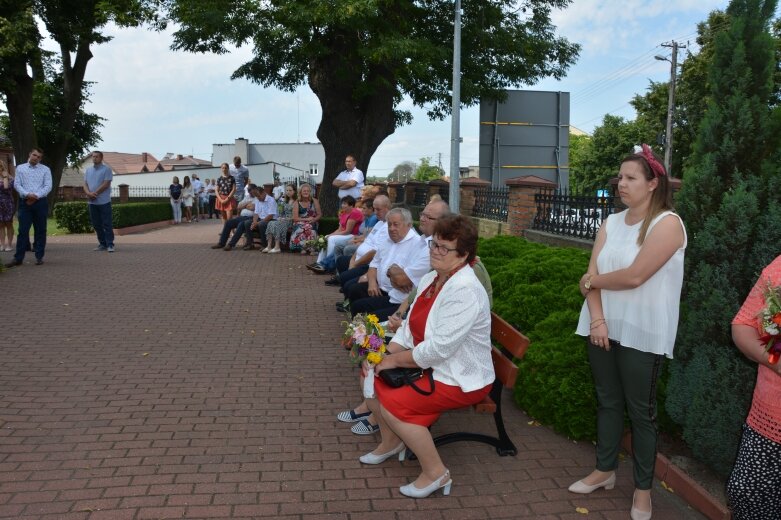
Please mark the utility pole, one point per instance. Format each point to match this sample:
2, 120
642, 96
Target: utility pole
455, 129
668, 138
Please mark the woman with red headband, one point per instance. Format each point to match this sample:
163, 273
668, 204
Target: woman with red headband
630, 316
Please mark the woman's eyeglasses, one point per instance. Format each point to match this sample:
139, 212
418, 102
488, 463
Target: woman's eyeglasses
439, 248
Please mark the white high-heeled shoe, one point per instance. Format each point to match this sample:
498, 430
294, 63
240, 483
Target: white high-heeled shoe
371, 458
585, 489
411, 491
636, 514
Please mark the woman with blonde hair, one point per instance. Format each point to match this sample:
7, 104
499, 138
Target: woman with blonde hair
226, 188
6, 208
188, 193
306, 214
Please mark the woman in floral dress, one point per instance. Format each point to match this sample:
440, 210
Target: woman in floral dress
277, 229
6, 208
226, 187
306, 213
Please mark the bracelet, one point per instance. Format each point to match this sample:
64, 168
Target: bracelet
600, 321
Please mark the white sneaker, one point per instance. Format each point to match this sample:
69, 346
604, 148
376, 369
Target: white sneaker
265, 250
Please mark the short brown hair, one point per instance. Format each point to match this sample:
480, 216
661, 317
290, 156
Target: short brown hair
462, 230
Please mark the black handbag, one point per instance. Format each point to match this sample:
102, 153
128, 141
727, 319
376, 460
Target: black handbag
398, 377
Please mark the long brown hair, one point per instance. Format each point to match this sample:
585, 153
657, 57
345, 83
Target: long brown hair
661, 197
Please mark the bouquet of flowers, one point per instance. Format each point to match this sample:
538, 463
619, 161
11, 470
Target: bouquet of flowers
770, 318
317, 244
364, 337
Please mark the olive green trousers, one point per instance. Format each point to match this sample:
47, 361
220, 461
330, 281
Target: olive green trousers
626, 378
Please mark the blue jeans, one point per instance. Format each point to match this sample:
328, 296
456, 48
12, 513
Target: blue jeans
100, 216
32, 215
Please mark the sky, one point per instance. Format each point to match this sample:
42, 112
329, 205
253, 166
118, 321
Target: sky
159, 101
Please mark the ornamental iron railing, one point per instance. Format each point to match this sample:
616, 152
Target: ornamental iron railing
491, 203
562, 213
420, 197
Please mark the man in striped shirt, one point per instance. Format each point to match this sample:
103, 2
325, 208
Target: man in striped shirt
33, 183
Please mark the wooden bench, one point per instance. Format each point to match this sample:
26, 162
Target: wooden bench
509, 344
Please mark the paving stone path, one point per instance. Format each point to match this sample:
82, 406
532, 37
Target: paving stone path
170, 380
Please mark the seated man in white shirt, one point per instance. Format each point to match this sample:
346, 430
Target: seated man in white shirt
246, 209
408, 251
265, 212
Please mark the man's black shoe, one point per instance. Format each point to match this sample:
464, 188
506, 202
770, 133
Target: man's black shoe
333, 281
39, 261
343, 307
13, 263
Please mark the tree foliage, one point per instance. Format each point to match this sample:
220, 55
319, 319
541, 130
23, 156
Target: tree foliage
730, 203
362, 57
596, 158
427, 171
402, 172
45, 92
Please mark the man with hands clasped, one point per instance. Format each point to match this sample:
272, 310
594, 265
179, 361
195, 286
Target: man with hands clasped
33, 183
97, 188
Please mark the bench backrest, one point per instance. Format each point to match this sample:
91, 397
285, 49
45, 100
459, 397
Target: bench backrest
513, 346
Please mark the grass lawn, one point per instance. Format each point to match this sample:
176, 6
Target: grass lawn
52, 229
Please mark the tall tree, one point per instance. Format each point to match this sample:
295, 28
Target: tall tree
362, 57
402, 172
427, 171
596, 159
731, 205
45, 92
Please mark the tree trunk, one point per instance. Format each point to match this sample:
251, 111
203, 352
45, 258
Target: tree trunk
350, 125
19, 102
73, 83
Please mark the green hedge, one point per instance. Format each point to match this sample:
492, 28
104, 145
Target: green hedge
74, 216
536, 289
328, 225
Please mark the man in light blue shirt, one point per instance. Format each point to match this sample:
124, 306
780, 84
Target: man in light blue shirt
97, 187
241, 173
33, 183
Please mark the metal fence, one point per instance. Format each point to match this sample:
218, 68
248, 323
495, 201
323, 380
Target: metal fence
577, 216
143, 192
420, 197
491, 203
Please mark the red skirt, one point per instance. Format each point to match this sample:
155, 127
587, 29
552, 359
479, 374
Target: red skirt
409, 406
231, 204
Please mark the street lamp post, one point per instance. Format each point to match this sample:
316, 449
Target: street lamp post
455, 130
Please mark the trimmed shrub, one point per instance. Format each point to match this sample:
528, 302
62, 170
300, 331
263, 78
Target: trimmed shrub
536, 289
328, 225
74, 216
137, 213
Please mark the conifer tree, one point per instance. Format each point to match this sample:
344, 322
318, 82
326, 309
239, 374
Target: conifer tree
729, 203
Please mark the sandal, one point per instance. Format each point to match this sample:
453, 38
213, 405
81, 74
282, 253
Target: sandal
364, 427
351, 416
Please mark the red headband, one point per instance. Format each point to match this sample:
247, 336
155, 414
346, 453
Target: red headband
645, 152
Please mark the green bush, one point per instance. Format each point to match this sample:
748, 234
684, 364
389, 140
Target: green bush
328, 225
137, 213
536, 289
74, 216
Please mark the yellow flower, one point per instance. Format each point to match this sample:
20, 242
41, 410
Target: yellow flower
380, 331
374, 358
372, 318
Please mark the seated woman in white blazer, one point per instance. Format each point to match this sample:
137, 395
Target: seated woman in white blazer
448, 331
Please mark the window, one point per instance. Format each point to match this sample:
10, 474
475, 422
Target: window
313, 169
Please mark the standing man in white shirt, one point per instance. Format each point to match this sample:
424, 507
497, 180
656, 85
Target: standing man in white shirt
33, 183
198, 192
350, 181
97, 187
241, 174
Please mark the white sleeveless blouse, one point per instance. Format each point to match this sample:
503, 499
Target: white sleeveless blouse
644, 318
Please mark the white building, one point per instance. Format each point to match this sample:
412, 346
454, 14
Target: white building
308, 158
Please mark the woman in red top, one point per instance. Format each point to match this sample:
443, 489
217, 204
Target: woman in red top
350, 219
754, 487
